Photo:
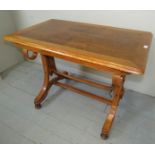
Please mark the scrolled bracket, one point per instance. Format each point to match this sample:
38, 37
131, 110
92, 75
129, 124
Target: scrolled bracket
27, 56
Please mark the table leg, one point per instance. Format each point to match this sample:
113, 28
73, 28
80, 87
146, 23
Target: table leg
51, 65
118, 81
48, 64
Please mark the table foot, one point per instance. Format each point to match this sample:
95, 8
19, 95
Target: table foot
48, 67
118, 90
108, 123
104, 136
37, 106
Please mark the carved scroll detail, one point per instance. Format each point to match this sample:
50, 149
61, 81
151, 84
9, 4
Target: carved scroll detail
27, 56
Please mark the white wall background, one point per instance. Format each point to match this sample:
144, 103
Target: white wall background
142, 20
8, 55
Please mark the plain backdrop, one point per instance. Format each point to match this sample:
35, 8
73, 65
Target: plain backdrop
8, 54
141, 20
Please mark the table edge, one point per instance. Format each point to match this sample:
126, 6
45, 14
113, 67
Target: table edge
32, 43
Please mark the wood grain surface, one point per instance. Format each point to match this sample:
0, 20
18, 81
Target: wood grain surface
96, 46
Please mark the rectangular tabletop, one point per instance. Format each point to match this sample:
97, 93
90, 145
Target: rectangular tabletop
88, 44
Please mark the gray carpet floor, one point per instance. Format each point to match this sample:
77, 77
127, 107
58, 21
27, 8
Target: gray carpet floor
67, 117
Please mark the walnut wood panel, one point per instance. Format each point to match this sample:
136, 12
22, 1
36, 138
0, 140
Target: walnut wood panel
92, 45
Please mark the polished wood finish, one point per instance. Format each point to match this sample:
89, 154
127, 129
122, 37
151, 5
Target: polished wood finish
118, 81
101, 47
114, 50
27, 56
45, 87
86, 81
49, 67
83, 92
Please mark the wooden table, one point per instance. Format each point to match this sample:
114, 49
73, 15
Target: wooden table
114, 50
